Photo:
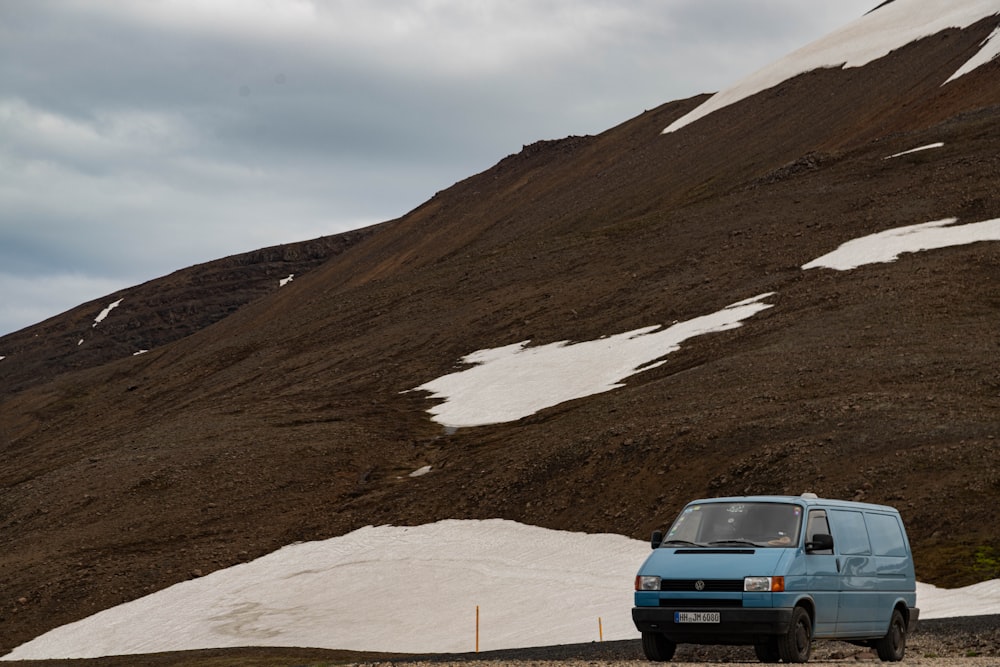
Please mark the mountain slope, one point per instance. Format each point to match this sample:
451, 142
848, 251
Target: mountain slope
292, 417
159, 311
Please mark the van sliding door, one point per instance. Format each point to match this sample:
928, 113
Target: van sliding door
859, 610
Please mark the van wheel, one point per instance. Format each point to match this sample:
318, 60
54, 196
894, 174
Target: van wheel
657, 647
767, 649
796, 645
892, 647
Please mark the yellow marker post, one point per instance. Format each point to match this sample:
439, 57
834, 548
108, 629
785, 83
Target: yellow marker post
600, 629
477, 628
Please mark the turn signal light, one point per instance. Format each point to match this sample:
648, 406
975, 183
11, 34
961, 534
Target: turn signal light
764, 584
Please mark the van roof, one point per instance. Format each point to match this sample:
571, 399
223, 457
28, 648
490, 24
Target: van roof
807, 500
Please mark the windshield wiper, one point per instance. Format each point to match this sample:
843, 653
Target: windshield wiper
739, 542
693, 544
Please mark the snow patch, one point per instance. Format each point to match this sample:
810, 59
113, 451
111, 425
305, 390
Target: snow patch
888, 245
420, 472
285, 281
104, 313
976, 600
514, 381
939, 144
990, 50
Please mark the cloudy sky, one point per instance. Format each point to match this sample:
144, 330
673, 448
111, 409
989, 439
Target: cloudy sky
141, 137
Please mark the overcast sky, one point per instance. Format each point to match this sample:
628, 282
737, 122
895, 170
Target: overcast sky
145, 136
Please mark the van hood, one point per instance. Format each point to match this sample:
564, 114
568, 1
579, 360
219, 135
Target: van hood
711, 563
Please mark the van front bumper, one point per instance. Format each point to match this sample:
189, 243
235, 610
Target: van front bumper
735, 626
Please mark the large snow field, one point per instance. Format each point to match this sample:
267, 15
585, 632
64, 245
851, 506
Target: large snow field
410, 590
387, 588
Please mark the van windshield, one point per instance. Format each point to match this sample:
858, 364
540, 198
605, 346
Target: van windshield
755, 524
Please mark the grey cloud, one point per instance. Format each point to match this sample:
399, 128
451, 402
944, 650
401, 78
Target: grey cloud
218, 134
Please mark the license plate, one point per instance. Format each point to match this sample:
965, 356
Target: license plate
696, 617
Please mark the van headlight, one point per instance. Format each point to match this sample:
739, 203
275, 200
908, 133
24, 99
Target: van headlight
763, 584
645, 582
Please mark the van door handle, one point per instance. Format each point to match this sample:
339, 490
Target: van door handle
837, 560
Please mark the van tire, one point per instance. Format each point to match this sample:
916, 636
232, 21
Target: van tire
892, 647
796, 644
657, 647
767, 649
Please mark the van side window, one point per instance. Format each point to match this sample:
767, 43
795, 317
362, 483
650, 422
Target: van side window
886, 535
818, 525
852, 536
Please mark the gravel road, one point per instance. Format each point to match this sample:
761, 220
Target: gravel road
969, 641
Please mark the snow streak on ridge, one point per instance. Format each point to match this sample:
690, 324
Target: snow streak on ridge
866, 39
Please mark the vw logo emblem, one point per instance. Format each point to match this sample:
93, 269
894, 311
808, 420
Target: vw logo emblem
699, 585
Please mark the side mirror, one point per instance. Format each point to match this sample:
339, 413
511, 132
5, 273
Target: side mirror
820, 542
656, 540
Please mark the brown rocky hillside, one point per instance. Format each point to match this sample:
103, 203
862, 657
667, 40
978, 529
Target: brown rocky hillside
261, 416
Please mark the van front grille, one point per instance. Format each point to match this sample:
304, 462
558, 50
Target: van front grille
706, 585
699, 602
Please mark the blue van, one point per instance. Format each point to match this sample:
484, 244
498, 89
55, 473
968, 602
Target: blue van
777, 572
